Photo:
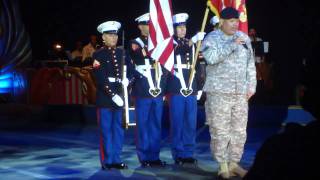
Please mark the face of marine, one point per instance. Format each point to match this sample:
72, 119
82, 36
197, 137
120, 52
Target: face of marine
110, 39
181, 31
144, 29
230, 26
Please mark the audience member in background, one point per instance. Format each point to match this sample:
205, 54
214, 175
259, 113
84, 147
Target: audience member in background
294, 153
77, 52
263, 69
89, 49
258, 55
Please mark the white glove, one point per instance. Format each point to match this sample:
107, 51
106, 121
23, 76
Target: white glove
199, 95
117, 99
198, 37
125, 82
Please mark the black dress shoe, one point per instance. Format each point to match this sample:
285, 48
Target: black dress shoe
145, 164
189, 160
120, 166
158, 163
178, 161
106, 166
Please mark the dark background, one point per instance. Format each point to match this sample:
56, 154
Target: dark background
67, 21
291, 27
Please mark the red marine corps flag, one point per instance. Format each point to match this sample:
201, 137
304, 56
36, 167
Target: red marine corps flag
240, 5
160, 41
217, 5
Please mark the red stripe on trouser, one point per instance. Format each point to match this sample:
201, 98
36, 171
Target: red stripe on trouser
102, 155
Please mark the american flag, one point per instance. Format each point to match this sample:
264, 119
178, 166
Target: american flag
160, 41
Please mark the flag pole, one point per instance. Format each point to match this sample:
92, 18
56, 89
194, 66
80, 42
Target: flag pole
195, 57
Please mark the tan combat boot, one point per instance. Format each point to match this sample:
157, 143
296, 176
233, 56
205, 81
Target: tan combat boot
224, 171
236, 169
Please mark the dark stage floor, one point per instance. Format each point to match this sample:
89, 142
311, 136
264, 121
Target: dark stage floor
70, 151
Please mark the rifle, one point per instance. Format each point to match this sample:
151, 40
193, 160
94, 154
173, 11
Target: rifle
125, 114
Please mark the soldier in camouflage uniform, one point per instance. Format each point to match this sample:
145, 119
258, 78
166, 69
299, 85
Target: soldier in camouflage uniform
231, 81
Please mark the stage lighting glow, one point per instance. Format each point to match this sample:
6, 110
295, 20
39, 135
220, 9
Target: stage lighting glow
5, 76
12, 82
6, 83
58, 46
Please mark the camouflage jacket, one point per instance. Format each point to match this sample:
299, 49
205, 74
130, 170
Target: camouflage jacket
231, 67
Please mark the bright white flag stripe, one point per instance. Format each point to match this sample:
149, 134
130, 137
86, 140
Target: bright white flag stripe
160, 43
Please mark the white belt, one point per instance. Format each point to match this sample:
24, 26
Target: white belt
112, 79
142, 68
182, 66
179, 74
145, 70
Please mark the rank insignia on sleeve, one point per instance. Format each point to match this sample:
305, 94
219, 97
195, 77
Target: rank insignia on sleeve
96, 64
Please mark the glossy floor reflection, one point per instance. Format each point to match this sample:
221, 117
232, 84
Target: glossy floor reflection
72, 153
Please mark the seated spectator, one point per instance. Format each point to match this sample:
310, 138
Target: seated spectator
89, 49
77, 52
294, 153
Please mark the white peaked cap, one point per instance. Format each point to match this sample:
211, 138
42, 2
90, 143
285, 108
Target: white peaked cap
109, 26
214, 20
180, 18
143, 18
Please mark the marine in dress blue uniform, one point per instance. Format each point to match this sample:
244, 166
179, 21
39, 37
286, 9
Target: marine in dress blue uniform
182, 95
147, 90
108, 63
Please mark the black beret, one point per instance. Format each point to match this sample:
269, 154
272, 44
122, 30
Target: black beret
229, 13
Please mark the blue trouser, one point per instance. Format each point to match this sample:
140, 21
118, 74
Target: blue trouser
111, 135
183, 116
148, 119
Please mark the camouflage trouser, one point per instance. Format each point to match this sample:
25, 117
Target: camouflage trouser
227, 116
